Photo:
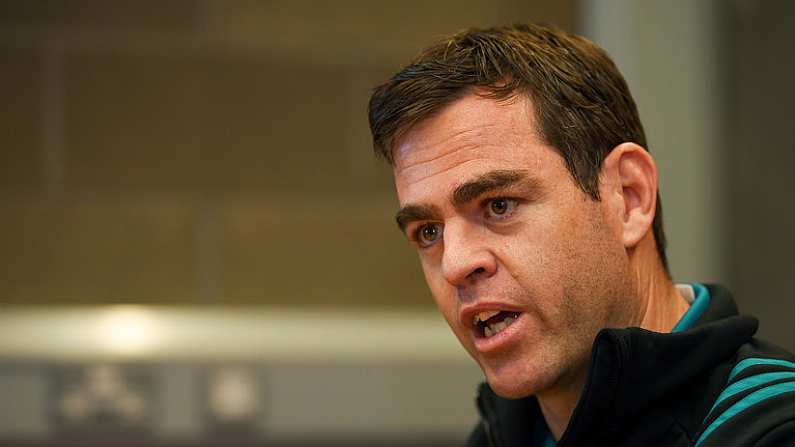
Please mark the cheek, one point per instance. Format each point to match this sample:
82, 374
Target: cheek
533, 263
430, 271
549, 258
534, 259
598, 273
442, 292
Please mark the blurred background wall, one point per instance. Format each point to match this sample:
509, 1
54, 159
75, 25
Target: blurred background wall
197, 243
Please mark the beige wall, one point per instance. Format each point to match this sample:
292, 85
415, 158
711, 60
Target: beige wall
217, 152
208, 152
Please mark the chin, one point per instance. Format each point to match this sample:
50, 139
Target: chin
514, 385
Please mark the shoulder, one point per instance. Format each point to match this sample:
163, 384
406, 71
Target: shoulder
757, 405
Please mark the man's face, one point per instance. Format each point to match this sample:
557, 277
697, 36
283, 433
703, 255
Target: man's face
500, 226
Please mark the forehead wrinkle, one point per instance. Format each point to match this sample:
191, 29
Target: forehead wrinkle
449, 168
419, 164
447, 145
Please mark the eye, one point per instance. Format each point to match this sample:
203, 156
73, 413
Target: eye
428, 234
501, 207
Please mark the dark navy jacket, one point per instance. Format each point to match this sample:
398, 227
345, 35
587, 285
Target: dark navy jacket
710, 385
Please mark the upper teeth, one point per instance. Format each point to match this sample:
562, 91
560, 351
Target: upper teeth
483, 316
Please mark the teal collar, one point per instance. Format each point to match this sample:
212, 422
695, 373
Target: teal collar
697, 308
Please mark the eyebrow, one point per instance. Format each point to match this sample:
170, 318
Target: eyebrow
465, 193
413, 213
489, 182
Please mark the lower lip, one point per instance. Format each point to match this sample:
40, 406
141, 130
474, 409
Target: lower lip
501, 339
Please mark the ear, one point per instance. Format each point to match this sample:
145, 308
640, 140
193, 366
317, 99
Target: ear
628, 181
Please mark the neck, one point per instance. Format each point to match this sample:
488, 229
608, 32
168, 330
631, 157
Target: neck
658, 307
661, 304
557, 404
557, 410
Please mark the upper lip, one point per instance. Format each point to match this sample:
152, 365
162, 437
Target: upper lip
467, 314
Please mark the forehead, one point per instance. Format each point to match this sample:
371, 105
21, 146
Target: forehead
467, 138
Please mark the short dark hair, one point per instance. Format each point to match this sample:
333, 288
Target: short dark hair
582, 103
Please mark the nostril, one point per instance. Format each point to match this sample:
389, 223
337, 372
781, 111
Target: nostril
477, 271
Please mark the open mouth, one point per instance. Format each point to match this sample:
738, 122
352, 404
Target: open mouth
492, 322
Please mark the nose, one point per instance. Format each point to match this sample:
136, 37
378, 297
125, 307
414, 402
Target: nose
467, 257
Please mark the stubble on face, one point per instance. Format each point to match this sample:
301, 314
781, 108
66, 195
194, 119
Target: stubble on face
596, 292
589, 291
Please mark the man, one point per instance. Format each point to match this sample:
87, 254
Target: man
520, 165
